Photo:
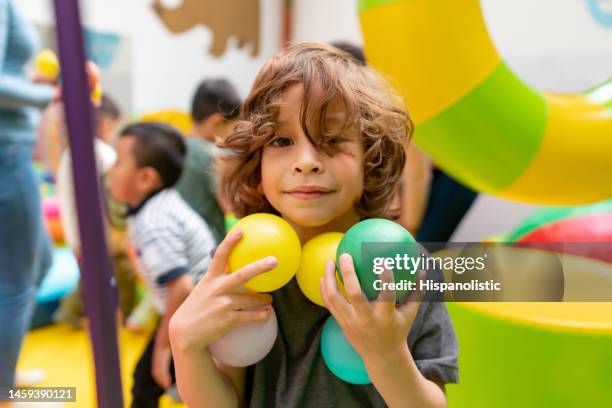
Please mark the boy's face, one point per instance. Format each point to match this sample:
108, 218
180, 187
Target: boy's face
107, 128
214, 126
128, 183
307, 186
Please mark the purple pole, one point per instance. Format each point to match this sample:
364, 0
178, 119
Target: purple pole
96, 267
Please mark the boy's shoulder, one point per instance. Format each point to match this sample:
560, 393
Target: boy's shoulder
163, 208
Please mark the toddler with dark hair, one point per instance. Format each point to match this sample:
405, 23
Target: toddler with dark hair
171, 241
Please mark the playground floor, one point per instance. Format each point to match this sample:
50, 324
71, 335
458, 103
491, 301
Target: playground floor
65, 354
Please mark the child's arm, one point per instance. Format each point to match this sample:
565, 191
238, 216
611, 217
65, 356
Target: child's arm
178, 290
217, 304
378, 332
416, 184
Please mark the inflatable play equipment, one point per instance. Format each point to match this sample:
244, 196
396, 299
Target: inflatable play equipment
178, 119
61, 280
526, 353
556, 228
477, 119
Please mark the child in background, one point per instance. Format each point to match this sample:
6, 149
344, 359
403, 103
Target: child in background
322, 144
214, 110
107, 120
172, 243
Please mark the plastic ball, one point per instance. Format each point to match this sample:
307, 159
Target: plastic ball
96, 94
315, 253
247, 344
384, 239
47, 64
230, 221
265, 235
340, 356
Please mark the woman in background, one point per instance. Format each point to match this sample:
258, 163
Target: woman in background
25, 250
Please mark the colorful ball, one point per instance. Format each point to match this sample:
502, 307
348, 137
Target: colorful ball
47, 64
315, 253
266, 235
247, 344
554, 227
340, 356
384, 239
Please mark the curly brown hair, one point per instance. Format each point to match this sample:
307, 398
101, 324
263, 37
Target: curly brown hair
327, 75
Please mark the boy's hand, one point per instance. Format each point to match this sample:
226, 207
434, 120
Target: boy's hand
376, 329
160, 366
219, 303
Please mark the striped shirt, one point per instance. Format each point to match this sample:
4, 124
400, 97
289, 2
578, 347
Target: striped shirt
170, 240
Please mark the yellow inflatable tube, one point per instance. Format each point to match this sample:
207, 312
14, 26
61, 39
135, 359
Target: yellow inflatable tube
478, 120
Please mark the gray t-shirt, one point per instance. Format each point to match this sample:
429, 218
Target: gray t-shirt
294, 374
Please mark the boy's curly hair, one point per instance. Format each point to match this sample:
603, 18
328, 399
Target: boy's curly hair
327, 74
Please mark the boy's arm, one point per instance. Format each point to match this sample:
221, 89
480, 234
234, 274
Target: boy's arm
401, 384
232, 382
198, 371
178, 290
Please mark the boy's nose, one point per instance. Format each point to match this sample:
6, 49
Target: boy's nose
307, 160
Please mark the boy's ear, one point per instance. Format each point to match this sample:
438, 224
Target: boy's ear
149, 178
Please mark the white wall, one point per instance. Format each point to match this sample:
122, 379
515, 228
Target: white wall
166, 67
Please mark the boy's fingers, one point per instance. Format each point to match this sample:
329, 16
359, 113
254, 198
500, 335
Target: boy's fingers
221, 253
244, 274
252, 316
247, 301
386, 294
413, 301
332, 298
351, 283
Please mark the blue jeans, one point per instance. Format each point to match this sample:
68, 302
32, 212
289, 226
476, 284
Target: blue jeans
25, 252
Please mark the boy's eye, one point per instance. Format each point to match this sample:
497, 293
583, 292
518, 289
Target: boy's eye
334, 141
281, 141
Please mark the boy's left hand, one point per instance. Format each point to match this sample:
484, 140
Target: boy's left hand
376, 329
160, 366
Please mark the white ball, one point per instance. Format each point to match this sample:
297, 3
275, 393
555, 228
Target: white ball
246, 344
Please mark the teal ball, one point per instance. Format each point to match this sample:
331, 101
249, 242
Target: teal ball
340, 357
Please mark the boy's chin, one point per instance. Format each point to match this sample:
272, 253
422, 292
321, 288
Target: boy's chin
309, 219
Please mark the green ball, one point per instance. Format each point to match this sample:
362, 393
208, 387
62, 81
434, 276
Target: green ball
370, 241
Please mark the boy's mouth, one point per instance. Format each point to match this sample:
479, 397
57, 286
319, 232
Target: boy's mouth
309, 192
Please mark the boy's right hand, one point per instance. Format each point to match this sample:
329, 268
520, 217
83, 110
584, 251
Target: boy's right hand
219, 303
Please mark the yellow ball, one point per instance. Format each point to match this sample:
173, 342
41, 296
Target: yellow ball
47, 64
266, 235
315, 253
96, 94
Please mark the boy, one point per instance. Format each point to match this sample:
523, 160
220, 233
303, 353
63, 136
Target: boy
172, 243
214, 110
322, 144
108, 118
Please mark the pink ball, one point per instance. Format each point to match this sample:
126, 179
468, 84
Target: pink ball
247, 344
50, 207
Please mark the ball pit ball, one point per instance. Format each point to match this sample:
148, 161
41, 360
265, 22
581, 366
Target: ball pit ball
340, 357
246, 344
315, 254
265, 235
384, 239
47, 64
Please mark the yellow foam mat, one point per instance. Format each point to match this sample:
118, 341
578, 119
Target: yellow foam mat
66, 356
